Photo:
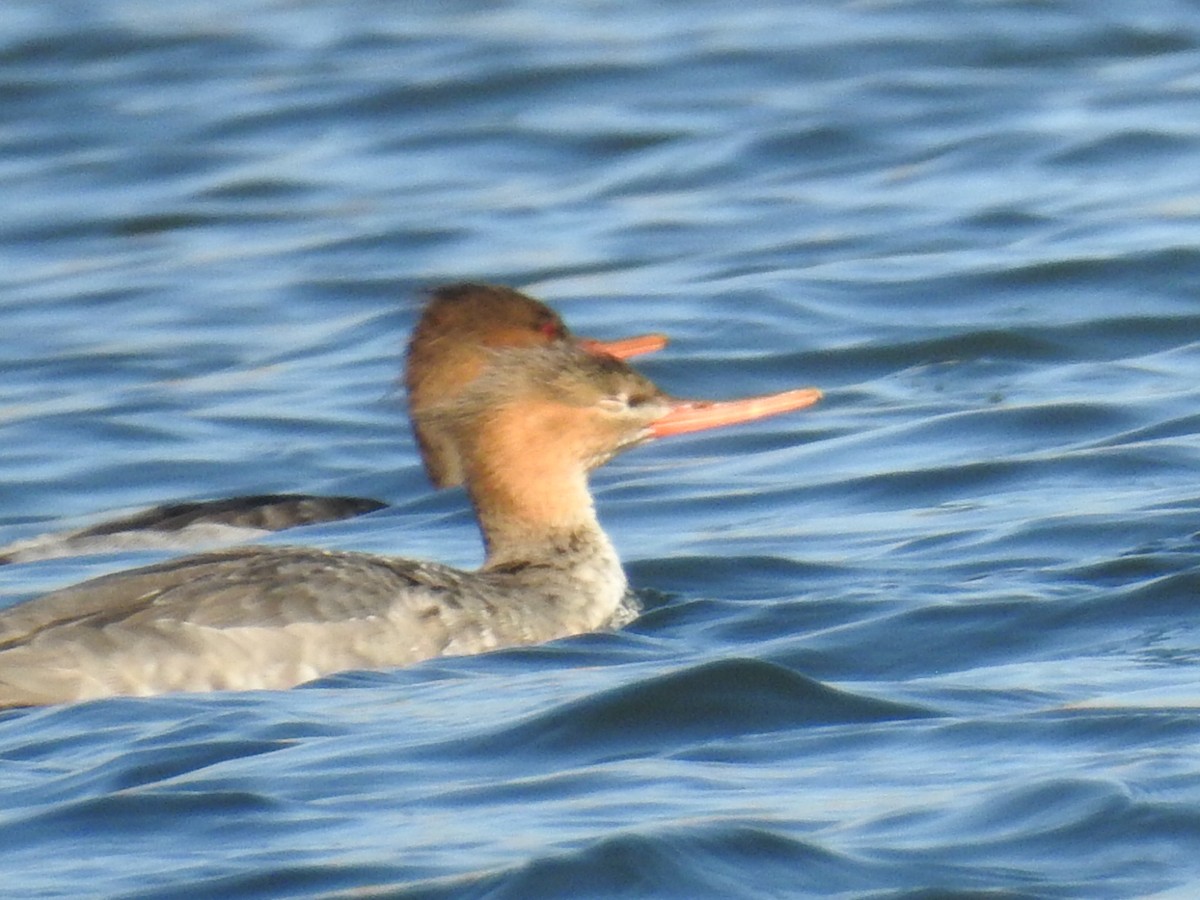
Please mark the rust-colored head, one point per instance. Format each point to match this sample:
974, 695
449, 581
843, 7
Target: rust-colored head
450, 347
537, 420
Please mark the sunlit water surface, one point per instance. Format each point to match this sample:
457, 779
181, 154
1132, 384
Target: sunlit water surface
939, 633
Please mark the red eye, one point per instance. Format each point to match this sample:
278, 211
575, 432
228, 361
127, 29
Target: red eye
552, 330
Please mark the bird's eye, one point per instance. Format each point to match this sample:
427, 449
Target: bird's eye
552, 330
615, 404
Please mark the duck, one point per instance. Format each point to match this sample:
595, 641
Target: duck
526, 432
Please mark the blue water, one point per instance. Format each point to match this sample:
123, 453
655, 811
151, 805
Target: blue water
939, 636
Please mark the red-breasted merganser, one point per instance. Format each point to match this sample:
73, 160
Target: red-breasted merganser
459, 326
528, 431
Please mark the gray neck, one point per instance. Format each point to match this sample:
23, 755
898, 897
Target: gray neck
576, 573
